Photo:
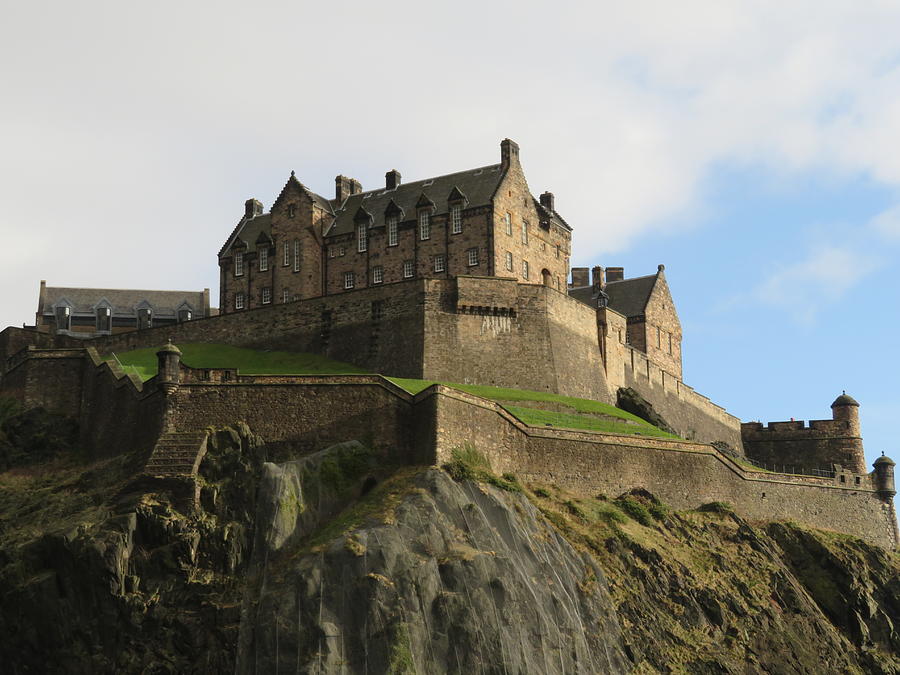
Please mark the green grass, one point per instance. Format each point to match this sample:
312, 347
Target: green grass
253, 362
247, 361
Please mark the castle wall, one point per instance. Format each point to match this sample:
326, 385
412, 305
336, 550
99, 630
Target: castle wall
692, 415
682, 474
819, 445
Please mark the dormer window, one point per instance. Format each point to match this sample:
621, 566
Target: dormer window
238, 264
392, 230
104, 321
63, 317
291, 210
424, 225
184, 315
456, 218
263, 259
144, 318
362, 238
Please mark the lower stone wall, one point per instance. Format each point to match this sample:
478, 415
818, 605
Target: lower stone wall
820, 445
692, 415
682, 474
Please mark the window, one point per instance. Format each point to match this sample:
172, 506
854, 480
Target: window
184, 315
407, 269
439, 263
349, 279
525, 232
145, 319
332, 251
362, 239
296, 255
392, 230
509, 263
266, 295
239, 301
287, 255
342, 250
62, 318
292, 210
658, 337
557, 250
103, 320
670, 343
263, 259
238, 264
456, 218
472, 257
285, 295
508, 220
424, 225
377, 274
524, 269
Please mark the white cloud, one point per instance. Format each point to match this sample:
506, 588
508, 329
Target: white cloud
887, 223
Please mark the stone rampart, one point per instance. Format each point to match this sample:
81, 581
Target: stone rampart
691, 414
820, 444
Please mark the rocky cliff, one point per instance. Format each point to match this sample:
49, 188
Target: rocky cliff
337, 563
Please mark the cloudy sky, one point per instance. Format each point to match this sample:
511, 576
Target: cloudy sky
753, 147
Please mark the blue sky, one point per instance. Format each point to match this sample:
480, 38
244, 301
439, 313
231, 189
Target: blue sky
750, 147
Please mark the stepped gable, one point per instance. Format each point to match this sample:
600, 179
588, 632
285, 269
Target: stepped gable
478, 186
248, 230
628, 297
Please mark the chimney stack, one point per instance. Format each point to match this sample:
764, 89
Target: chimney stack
391, 179
615, 274
509, 153
344, 187
580, 277
597, 278
252, 208
547, 201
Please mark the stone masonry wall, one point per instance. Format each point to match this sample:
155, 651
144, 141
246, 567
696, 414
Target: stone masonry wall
682, 474
819, 445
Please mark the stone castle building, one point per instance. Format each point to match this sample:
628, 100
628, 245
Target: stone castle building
459, 278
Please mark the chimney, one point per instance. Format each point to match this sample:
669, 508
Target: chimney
547, 201
252, 208
597, 278
580, 277
342, 188
391, 179
615, 274
509, 153
355, 186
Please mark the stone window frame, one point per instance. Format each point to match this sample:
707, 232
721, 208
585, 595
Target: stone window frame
286, 259
424, 224
456, 219
408, 269
266, 295
525, 232
439, 263
377, 274
349, 280
107, 315
362, 238
472, 257
285, 295
291, 210
525, 269
238, 263
508, 221
557, 251
342, 251
144, 312
239, 300
296, 255
184, 314
263, 259
392, 228
65, 312
509, 261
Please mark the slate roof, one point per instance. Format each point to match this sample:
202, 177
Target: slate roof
123, 301
478, 186
628, 297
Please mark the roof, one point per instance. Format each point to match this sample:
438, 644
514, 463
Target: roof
123, 301
628, 297
477, 185
843, 399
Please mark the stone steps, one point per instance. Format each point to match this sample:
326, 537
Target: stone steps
176, 454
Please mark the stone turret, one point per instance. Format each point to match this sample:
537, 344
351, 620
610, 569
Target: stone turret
884, 477
845, 411
168, 368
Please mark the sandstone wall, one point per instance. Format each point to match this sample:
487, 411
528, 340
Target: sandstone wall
819, 445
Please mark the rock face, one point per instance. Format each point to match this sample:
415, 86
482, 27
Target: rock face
336, 563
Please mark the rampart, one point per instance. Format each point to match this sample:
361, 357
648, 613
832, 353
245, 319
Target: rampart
305, 413
821, 443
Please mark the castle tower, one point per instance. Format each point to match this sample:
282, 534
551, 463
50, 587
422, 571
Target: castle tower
168, 370
845, 410
884, 477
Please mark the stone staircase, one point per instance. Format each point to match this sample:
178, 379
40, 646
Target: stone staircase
177, 454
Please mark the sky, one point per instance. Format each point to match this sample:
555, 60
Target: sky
753, 147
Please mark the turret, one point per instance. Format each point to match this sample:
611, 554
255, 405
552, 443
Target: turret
168, 367
884, 477
845, 411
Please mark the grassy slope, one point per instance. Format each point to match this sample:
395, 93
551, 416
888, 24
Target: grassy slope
253, 362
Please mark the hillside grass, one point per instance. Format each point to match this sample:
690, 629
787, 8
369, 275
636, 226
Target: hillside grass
586, 414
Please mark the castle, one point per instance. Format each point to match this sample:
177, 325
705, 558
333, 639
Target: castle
457, 278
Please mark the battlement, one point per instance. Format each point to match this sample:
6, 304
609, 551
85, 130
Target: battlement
749, 429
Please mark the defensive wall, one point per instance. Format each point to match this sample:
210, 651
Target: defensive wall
302, 414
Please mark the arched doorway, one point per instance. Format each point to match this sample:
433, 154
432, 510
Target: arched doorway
547, 278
